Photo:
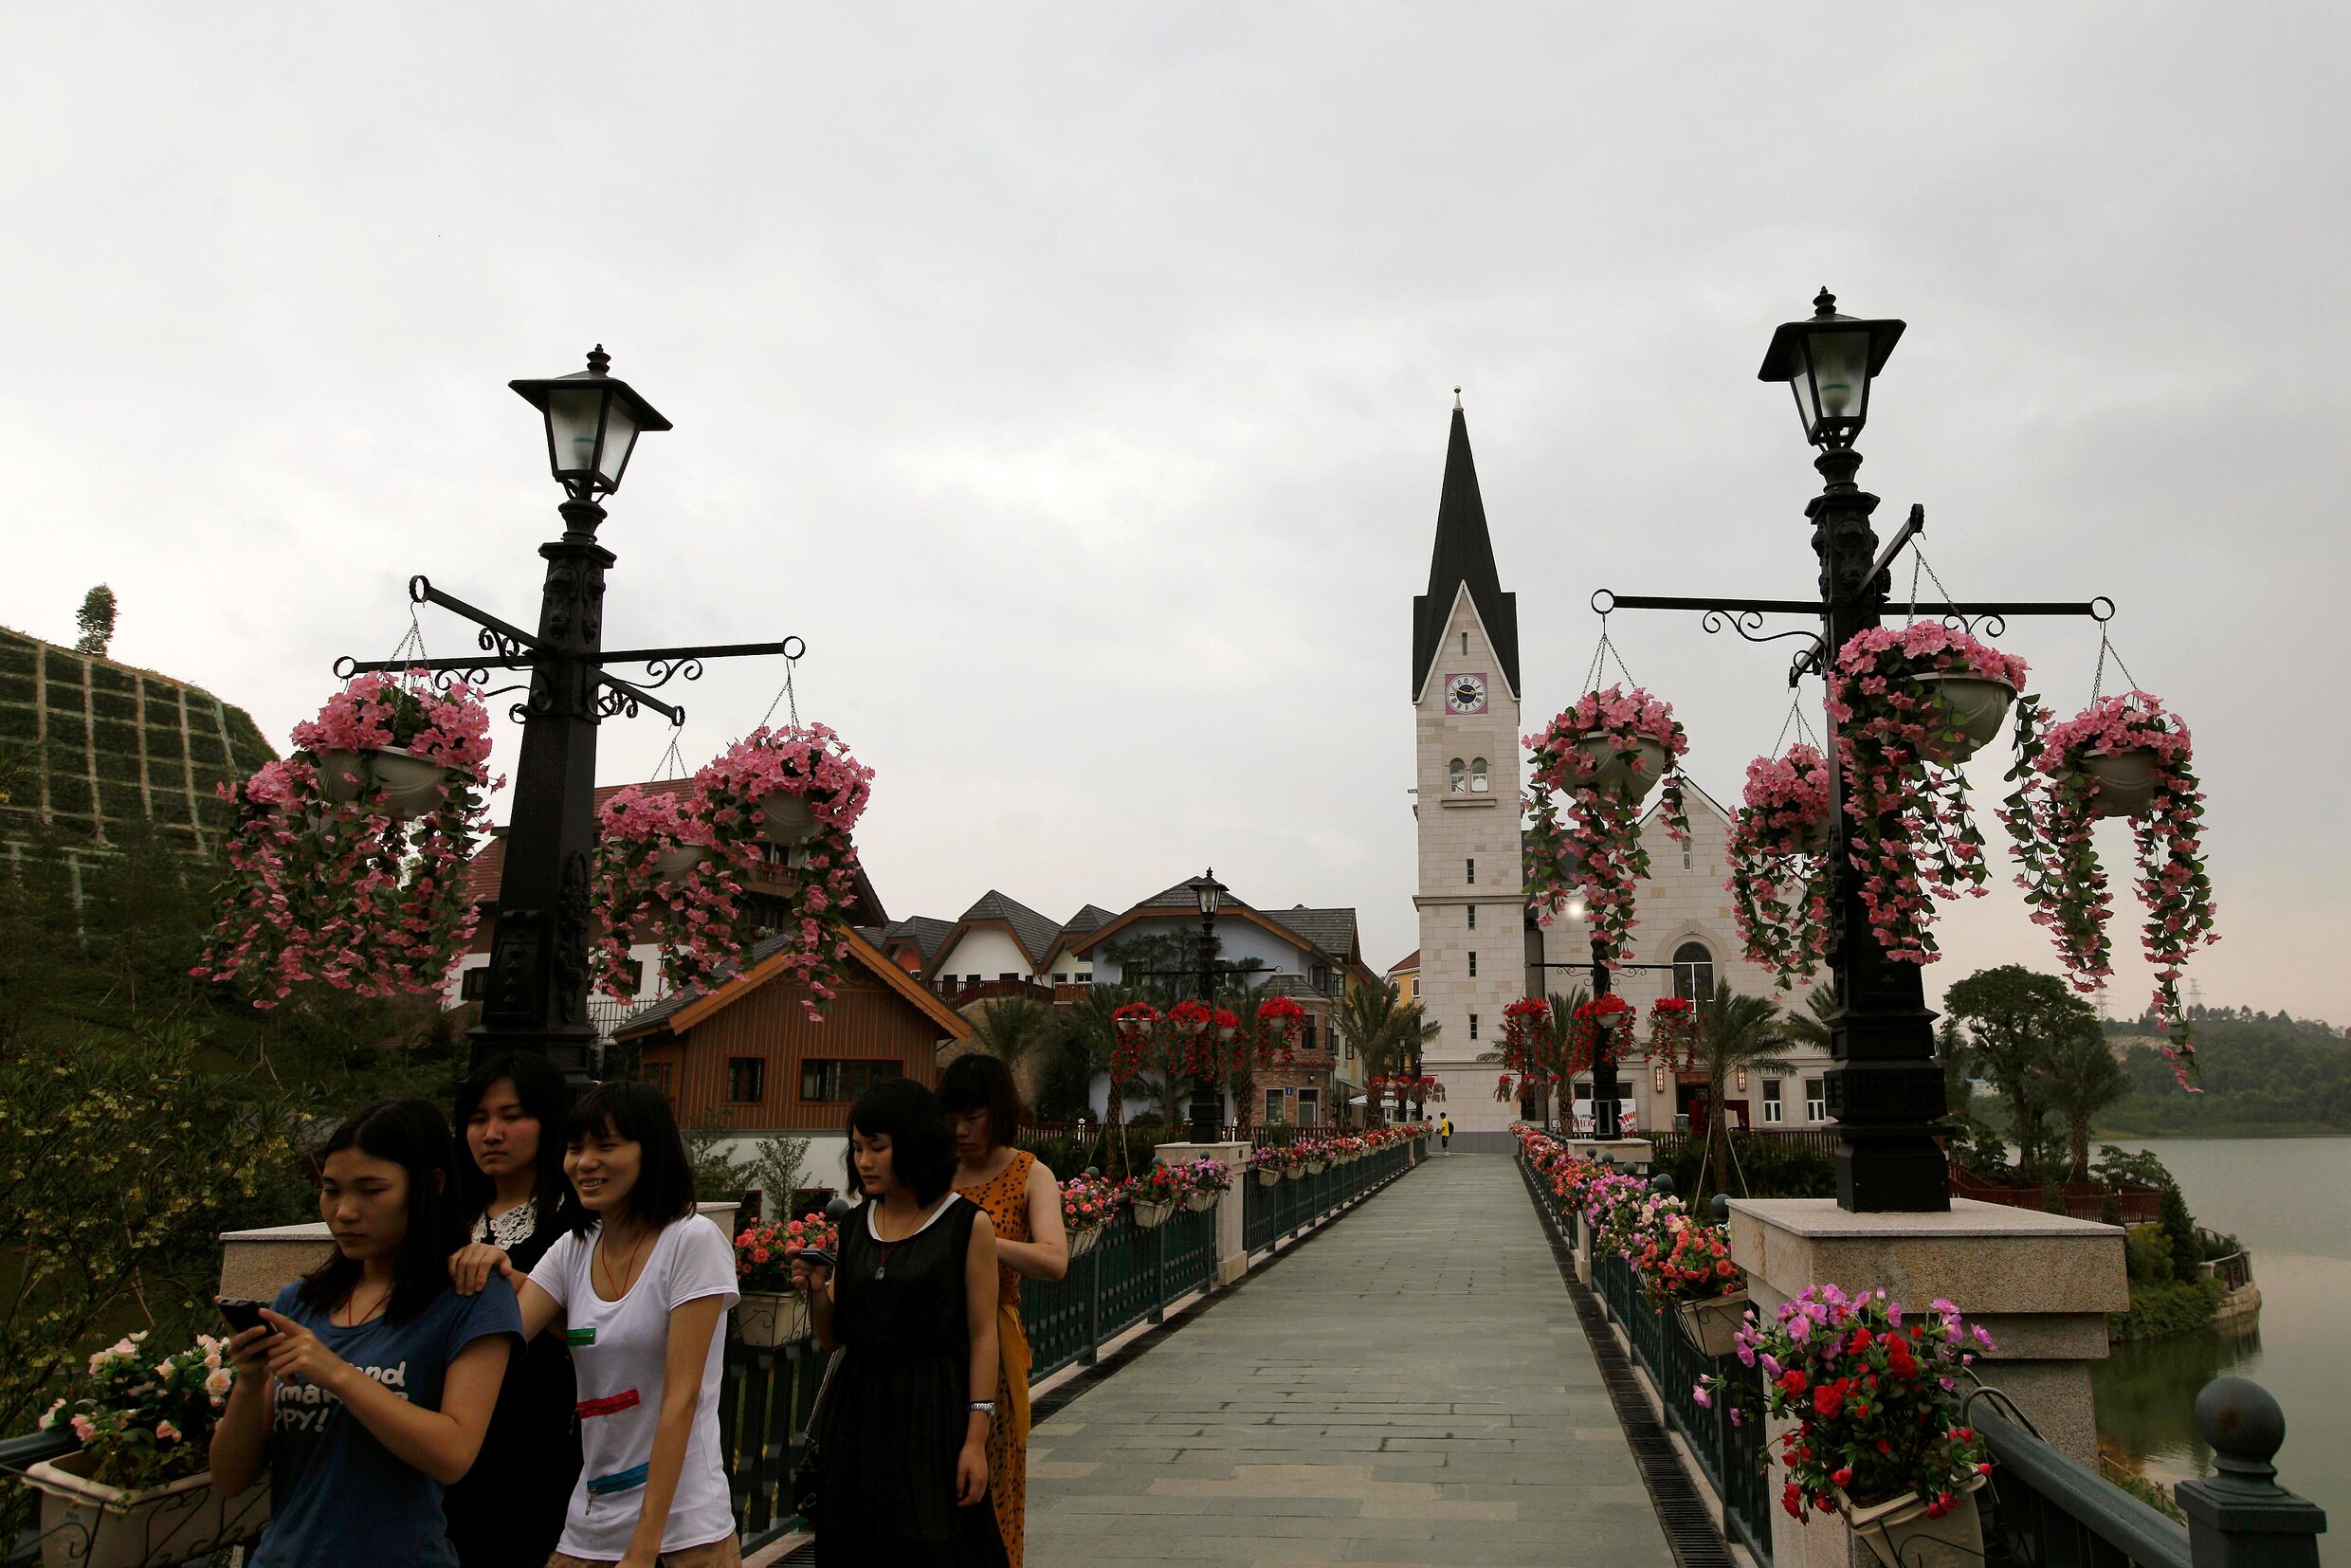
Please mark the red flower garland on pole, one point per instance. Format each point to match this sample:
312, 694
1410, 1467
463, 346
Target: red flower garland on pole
1673, 1032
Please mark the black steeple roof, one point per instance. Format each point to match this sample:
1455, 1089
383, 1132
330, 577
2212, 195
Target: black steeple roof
1464, 554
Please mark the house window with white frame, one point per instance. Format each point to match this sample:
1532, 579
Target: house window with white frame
1479, 781
1815, 1101
1456, 780
1772, 1108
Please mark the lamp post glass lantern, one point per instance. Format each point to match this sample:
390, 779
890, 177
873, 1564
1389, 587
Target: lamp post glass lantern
592, 420
1829, 361
1207, 1095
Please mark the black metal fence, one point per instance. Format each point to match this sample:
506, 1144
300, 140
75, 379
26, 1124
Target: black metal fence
1272, 1211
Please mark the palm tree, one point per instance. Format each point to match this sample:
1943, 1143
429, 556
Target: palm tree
1087, 1028
1552, 1056
1734, 1031
1813, 1030
2078, 1078
1385, 1032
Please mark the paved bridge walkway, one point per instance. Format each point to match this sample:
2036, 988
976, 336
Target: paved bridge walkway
1411, 1387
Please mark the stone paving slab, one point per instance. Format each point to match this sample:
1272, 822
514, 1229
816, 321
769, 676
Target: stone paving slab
1411, 1387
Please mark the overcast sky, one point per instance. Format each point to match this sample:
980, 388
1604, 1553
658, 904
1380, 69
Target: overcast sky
1075, 380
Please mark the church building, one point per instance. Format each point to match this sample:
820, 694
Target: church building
1480, 950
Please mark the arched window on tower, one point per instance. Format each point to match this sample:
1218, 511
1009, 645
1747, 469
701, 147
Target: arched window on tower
1478, 783
1454, 777
1693, 972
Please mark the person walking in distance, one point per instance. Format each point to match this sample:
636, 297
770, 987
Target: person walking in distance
1445, 1134
1024, 1205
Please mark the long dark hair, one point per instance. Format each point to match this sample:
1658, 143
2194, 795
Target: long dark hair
636, 1113
923, 1151
410, 1134
982, 1082
547, 1100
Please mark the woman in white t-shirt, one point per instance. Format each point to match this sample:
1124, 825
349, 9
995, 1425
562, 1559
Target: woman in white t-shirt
641, 1287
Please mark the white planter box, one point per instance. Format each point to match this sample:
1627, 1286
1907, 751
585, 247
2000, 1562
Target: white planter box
1200, 1203
1152, 1215
765, 1320
1268, 1176
84, 1525
1710, 1324
1902, 1537
1633, 779
1977, 706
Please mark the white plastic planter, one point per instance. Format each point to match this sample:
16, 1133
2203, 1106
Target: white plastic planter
679, 863
411, 785
1902, 1537
1200, 1203
1268, 1176
87, 1525
785, 818
1977, 706
765, 1320
2125, 781
1632, 777
1150, 1216
1709, 1325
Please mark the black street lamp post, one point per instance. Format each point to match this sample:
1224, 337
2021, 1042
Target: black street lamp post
1884, 1090
1208, 1094
539, 957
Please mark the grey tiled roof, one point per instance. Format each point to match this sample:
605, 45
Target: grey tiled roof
1332, 930
1086, 919
1034, 932
924, 931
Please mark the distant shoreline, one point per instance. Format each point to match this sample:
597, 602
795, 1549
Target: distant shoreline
2248, 1129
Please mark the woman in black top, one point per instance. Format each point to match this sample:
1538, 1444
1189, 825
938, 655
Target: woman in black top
509, 1508
902, 1437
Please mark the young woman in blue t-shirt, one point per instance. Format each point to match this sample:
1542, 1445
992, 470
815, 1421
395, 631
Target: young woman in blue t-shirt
368, 1387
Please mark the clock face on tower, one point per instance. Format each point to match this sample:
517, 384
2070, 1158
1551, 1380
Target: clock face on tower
1465, 693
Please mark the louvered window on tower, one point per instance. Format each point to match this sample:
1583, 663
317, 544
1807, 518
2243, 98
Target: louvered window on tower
1473, 966
1473, 917
1478, 782
1473, 871
1454, 776
1473, 1026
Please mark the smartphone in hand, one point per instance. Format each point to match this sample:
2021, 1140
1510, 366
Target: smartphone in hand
241, 1315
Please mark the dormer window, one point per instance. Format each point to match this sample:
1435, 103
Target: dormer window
1455, 777
1478, 784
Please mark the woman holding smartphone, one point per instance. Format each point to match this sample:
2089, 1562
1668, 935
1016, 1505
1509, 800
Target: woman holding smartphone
641, 1283
515, 1203
369, 1383
903, 1434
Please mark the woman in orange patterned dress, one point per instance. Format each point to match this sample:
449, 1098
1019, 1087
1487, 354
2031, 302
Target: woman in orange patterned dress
1024, 1203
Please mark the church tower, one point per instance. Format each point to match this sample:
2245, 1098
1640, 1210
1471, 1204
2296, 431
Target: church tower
1466, 729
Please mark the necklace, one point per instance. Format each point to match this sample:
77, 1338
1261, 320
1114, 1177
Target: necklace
627, 1270
352, 1301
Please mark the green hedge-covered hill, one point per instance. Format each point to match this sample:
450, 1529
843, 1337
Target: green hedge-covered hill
94, 745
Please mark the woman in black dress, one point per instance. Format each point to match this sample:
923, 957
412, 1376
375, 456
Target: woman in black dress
508, 1510
902, 1437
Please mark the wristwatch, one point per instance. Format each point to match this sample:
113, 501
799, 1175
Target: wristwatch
986, 1407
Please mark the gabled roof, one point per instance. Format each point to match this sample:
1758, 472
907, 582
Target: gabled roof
1034, 932
1410, 960
1463, 558
1085, 920
1309, 928
1330, 930
926, 932
683, 1009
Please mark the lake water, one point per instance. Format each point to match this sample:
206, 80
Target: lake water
2288, 1200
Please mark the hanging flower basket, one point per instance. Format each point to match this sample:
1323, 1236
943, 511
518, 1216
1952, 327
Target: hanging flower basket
1899, 740
1972, 708
2124, 755
397, 745
1602, 1019
757, 789
1778, 883
1711, 1327
1604, 754
360, 894
1151, 1214
657, 878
